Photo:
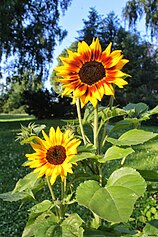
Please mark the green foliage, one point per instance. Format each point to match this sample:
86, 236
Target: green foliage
122, 190
13, 95
28, 133
132, 137
44, 104
30, 30
136, 9
24, 189
115, 152
151, 229
146, 210
45, 223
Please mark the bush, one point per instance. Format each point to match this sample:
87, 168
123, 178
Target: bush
43, 104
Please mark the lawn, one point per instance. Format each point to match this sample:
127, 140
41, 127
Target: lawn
12, 157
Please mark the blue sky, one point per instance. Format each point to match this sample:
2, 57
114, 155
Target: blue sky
72, 21
79, 10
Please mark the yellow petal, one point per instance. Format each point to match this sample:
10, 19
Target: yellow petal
108, 89
107, 51
120, 82
59, 136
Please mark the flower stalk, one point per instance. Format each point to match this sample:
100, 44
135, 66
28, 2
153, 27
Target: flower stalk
95, 129
53, 197
80, 119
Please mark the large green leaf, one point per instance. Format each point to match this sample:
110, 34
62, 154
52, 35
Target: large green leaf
46, 225
24, 188
71, 226
136, 109
126, 123
30, 181
39, 208
114, 202
132, 137
116, 152
14, 197
37, 227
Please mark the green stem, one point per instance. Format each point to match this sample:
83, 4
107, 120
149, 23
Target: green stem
100, 175
80, 119
62, 206
53, 197
50, 189
95, 129
103, 139
111, 101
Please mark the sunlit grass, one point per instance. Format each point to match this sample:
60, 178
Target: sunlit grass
15, 117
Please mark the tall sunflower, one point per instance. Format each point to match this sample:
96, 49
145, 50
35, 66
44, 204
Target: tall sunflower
89, 72
52, 155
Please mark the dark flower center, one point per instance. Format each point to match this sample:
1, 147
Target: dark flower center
91, 72
56, 155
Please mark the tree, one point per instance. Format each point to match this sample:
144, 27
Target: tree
137, 9
12, 97
98, 26
142, 67
29, 31
90, 29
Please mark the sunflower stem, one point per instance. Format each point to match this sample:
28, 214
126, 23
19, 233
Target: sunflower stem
62, 206
95, 129
111, 101
103, 139
53, 197
100, 175
50, 189
80, 119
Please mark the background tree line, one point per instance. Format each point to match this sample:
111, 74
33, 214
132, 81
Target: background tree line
29, 31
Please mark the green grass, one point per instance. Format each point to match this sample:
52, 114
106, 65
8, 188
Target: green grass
12, 156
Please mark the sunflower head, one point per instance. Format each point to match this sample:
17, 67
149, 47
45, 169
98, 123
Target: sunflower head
52, 155
89, 73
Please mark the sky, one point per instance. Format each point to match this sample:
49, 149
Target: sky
72, 21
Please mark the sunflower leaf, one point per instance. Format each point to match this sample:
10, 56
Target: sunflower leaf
115, 202
85, 155
108, 113
116, 152
132, 137
14, 197
47, 225
29, 181
71, 226
39, 226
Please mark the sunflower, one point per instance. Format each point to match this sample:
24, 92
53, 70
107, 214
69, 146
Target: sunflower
52, 155
88, 73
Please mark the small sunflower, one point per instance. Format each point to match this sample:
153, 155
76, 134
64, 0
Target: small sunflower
89, 72
52, 155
